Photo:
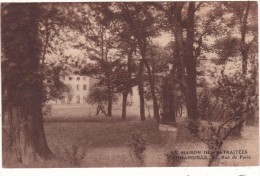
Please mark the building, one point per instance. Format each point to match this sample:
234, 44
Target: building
78, 89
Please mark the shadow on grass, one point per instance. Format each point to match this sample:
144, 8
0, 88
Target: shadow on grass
94, 119
112, 132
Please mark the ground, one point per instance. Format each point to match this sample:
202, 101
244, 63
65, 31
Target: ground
79, 140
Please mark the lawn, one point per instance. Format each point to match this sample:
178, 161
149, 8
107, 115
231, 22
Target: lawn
106, 142
99, 141
104, 132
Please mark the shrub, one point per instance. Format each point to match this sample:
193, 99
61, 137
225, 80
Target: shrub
213, 134
46, 110
73, 154
137, 146
173, 158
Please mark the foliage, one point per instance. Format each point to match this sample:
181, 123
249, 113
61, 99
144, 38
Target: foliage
74, 154
17, 71
23, 80
158, 58
206, 105
137, 146
173, 158
98, 94
53, 86
46, 110
226, 48
235, 99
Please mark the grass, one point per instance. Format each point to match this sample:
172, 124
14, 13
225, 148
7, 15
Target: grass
104, 132
105, 143
106, 140
72, 124
92, 119
85, 111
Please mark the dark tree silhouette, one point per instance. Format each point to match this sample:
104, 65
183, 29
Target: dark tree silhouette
23, 82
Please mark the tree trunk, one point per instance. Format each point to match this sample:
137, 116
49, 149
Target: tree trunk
30, 135
14, 131
187, 61
168, 115
152, 88
124, 105
28, 140
104, 53
41, 143
191, 95
141, 90
110, 102
243, 48
128, 83
143, 45
24, 84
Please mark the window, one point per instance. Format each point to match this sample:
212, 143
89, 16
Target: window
78, 78
84, 99
69, 87
70, 78
84, 87
70, 97
78, 99
77, 87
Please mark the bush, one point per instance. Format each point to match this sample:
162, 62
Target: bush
173, 158
46, 110
213, 134
137, 146
74, 155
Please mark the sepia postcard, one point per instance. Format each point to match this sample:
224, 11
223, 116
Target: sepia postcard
130, 84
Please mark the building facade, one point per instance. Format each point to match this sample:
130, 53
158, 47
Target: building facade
78, 89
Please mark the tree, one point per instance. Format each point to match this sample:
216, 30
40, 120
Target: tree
128, 83
101, 44
168, 99
183, 28
123, 79
243, 12
226, 111
54, 88
127, 46
159, 58
98, 95
137, 21
241, 46
139, 18
127, 42
233, 95
126, 36
23, 81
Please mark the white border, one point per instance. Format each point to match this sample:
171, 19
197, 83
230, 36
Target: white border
180, 171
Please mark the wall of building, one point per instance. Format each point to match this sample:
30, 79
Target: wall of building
78, 89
